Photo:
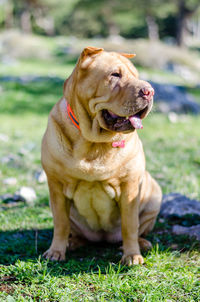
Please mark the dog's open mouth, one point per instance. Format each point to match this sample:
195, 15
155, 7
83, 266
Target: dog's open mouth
119, 123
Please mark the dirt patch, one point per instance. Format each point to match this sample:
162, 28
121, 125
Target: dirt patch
4, 284
7, 279
6, 288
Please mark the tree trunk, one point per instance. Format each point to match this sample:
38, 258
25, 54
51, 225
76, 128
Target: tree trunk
113, 29
181, 30
153, 30
184, 13
9, 19
26, 22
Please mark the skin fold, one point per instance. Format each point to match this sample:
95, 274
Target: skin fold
98, 192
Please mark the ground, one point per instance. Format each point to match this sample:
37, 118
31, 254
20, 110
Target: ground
171, 270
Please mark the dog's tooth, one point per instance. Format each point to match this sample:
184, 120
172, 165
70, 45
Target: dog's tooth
127, 117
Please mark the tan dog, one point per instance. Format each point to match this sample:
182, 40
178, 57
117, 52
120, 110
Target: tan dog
94, 160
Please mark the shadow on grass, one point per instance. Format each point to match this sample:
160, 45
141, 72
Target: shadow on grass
28, 245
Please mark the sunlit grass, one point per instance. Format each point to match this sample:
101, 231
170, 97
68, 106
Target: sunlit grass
52, 68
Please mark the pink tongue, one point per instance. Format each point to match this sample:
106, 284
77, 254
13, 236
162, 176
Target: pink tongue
136, 122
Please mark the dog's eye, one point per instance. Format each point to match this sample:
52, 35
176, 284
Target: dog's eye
116, 74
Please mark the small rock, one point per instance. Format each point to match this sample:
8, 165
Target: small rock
23, 151
175, 204
17, 197
11, 160
9, 198
28, 194
41, 176
6, 197
173, 117
193, 231
10, 181
4, 138
27, 148
9, 298
8, 158
174, 246
172, 98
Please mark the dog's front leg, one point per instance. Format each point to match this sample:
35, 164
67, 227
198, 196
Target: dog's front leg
129, 207
60, 207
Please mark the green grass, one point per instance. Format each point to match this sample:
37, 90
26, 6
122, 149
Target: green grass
53, 67
171, 277
171, 271
196, 93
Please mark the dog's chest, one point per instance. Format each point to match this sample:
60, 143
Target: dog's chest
96, 202
94, 170
100, 168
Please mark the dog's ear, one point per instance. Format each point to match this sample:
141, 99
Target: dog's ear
87, 54
90, 50
128, 55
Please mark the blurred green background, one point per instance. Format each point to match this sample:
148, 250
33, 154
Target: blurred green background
174, 19
165, 35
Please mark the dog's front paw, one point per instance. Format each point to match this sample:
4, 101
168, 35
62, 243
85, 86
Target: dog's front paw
132, 260
54, 255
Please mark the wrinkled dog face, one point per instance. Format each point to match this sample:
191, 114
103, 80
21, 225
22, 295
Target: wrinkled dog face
112, 91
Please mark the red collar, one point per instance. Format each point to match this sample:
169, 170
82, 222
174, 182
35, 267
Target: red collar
117, 144
72, 116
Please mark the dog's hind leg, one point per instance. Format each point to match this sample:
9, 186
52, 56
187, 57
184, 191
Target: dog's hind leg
144, 244
76, 242
151, 197
76, 239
